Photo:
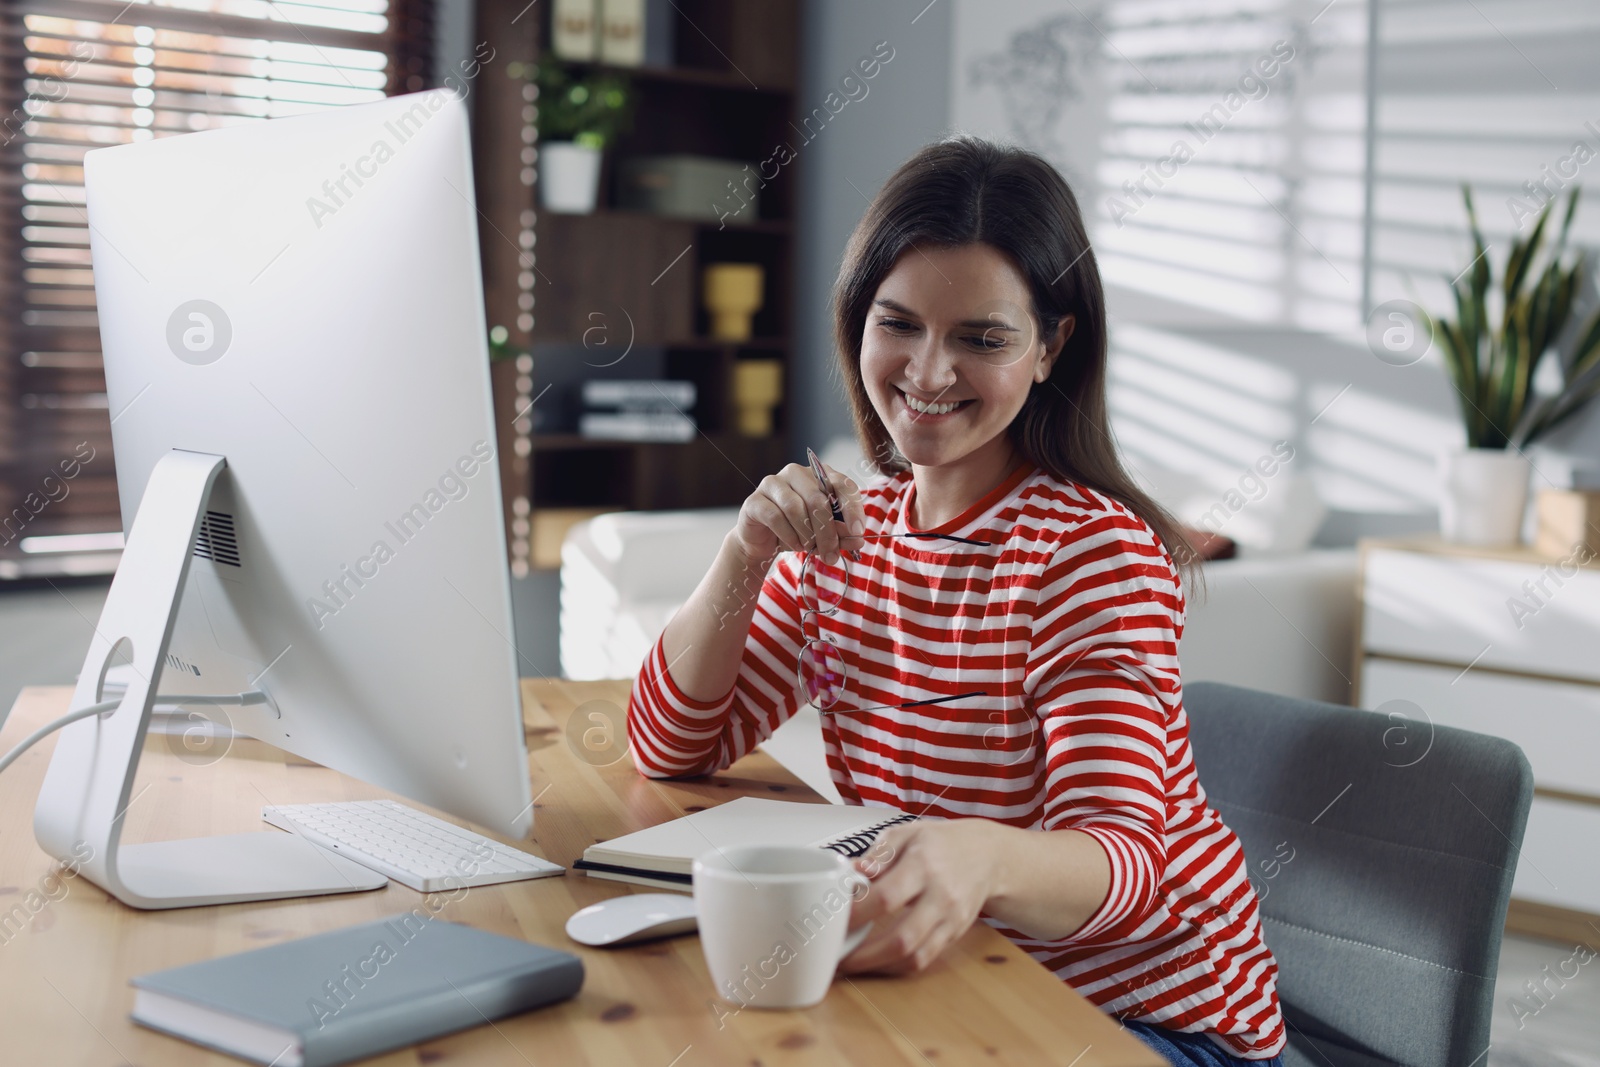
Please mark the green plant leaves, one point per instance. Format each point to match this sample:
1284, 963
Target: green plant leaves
1493, 367
1522, 253
582, 104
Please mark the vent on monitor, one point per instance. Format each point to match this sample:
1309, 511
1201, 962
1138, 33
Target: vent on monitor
216, 540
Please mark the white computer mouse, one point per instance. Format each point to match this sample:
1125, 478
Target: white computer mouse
623, 920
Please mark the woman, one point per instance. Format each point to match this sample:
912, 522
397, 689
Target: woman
1010, 578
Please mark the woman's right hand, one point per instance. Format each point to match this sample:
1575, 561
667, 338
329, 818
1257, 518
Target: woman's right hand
790, 511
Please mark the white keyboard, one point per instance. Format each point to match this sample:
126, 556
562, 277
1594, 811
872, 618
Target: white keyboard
427, 854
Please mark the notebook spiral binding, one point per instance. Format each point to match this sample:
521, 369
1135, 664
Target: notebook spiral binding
856, 844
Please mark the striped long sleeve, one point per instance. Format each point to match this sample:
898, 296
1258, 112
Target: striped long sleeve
1103, 676
673, 735
1056, 624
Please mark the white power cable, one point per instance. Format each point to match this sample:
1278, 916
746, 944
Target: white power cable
45, 731
255, 696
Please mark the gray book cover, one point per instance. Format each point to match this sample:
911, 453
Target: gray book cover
352, 993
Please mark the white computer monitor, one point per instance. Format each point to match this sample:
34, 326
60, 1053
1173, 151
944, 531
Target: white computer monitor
295, 354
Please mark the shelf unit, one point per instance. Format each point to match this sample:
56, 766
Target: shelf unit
632, 279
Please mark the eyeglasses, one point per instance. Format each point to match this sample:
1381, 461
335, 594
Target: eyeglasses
823, 673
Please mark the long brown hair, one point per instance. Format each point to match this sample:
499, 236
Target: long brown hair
967, 191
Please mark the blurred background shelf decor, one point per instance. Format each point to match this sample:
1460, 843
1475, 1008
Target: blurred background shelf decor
681, 214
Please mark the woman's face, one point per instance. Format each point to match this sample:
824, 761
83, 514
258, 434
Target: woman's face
950, 351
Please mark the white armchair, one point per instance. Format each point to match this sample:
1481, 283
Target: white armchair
623, 575
1281, 623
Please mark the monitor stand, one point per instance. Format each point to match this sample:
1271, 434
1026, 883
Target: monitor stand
86, 791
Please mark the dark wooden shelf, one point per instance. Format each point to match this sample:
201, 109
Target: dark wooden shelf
571, 441
618, 262
698, 77
776, 227
771, 344
707, 344
548, 442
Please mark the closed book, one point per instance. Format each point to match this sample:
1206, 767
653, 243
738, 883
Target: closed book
622, 24
625, 392
667, 426
352, 993
643, 407
664, 855
573, 30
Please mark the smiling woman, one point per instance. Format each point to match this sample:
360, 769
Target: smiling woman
1000, 614
999, 233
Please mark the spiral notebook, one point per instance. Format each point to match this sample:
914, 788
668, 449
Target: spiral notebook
663, 856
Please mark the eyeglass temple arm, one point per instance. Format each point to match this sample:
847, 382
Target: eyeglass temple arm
930, 537
911, 704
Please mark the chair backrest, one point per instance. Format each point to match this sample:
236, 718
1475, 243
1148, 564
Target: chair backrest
1383, 851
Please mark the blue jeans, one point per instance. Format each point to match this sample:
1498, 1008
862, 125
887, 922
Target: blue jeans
1191, 1050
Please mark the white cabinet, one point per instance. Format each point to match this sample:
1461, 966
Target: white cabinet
1561, 856
1503, 643
1517, 615
1556, 723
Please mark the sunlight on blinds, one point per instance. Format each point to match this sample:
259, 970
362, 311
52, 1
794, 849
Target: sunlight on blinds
1196, 412
1176, 395
92, 84
85, 74
362, 16
1503, 95
1216, 146
1232, 163
1219, 149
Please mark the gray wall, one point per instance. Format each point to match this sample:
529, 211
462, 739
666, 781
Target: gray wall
905, 107
44, 634
452, 38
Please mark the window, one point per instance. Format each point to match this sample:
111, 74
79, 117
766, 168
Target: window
1250, 204
83, 74
1216, 146
1502, 95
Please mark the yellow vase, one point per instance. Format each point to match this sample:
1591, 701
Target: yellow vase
757, 389
732, 296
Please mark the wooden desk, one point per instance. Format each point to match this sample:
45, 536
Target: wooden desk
65, 965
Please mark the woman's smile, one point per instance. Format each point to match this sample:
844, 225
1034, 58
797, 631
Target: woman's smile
934, 410
949, 352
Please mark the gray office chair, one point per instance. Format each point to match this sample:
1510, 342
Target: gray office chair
1383, 849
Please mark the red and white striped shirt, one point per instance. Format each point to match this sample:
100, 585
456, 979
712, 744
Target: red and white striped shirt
1069, 622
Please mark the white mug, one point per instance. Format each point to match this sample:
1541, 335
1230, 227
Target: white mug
773, 921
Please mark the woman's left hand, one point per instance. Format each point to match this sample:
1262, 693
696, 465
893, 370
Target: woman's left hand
929, 882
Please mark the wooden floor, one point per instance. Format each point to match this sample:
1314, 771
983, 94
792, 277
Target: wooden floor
1563, 1030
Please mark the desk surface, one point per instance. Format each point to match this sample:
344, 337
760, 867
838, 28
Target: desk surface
65, 962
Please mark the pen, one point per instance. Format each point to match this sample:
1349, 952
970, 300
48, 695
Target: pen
827, 489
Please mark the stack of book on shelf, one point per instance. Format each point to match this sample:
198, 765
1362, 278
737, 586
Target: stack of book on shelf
647, 410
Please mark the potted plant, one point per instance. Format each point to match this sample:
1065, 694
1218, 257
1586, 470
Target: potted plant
579, 116
1492, 366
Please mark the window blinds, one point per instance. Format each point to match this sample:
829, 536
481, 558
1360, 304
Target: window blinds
83, 74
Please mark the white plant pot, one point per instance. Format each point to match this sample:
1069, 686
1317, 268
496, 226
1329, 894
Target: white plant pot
569, 177
1483, 493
